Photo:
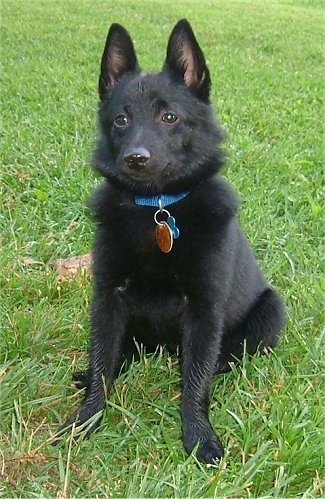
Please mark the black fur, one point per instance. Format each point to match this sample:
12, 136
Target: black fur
207, 295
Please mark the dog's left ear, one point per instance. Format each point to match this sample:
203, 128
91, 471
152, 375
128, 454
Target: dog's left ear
185, 59
118, 58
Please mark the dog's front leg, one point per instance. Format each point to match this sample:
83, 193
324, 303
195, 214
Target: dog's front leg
108, 322
200, 349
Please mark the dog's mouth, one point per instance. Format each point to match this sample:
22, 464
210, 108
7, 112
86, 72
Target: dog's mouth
148, 171
150, 177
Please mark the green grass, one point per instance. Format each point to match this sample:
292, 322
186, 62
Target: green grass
266, 62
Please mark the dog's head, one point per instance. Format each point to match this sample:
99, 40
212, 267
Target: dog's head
156, 131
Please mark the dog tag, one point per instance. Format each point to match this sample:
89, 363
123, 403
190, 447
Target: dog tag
172, 226
164, 237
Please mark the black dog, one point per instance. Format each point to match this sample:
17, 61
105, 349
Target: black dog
171, 265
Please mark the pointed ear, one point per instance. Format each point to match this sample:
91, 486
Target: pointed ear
118, 58
185, 59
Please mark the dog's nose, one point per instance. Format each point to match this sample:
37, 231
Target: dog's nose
137, 157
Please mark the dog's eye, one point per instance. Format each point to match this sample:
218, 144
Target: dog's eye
169, 118
121, 120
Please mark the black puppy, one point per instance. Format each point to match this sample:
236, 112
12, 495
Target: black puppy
171, 265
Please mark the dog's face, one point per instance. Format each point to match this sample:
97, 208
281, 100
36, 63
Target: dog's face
157, 131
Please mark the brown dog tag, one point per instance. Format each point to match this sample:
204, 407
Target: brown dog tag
164, 237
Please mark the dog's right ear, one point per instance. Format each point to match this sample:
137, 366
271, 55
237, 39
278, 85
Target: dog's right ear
118, 58
185, 59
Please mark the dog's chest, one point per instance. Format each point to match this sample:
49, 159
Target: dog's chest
153, 291
146, 231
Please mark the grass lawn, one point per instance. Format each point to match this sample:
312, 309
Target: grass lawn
266, 63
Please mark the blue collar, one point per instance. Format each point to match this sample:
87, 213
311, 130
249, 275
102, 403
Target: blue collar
161, 200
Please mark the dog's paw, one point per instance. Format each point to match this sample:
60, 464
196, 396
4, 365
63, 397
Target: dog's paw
81, 379
209, 448
223, 367
84, 422
210, 451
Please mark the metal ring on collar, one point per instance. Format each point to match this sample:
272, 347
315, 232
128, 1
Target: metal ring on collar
160, 211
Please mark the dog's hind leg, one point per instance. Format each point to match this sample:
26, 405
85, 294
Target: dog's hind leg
258, 331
